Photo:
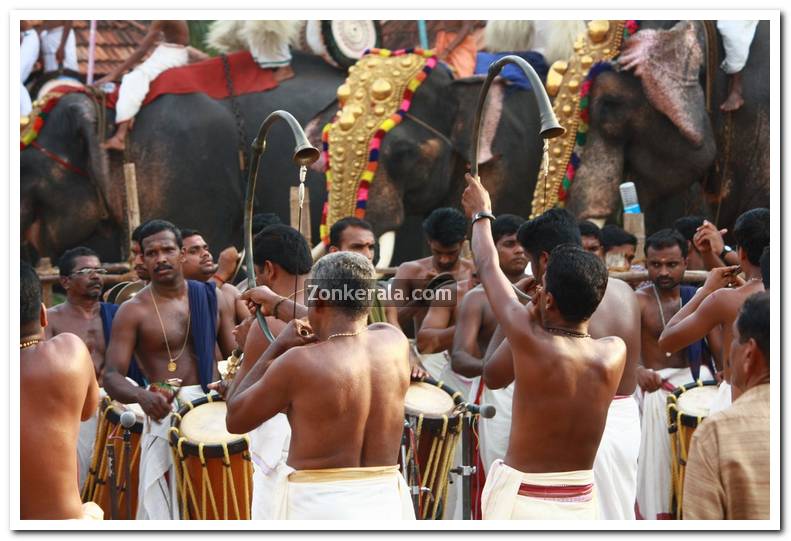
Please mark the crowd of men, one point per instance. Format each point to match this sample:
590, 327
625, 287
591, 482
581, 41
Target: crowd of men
577, 364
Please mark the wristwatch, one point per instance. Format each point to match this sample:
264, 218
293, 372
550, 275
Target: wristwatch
725, 251
482, 214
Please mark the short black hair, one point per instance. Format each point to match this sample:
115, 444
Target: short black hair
552, 228
29, 294
136, 232
264, 219
446, 225
152, 227
337, 229
66, 261
506, 224
577, 280
688, 226
284, 245
612, 235
589, 229
753, 321
765, 267
187, 233
666, 238
751, 232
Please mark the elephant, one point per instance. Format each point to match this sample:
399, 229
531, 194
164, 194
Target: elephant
658, 134
185, 148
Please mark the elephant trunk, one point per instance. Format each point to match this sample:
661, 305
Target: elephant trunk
594, 190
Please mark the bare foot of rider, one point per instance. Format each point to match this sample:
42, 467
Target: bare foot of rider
735, 99
117, 141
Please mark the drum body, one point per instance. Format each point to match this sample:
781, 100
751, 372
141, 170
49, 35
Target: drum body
433, 429
215, 472
110, 432
687, 406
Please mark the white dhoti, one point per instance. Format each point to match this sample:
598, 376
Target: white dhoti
654, 486
736, 39
615, 467
157, 499
513, 495
276, 55
135, 84
50, 41
373, 493
435, 363
25, 103
494, 433
723, 399
85, 444
269, 450
28, 53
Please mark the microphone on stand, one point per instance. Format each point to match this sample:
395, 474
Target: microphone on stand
487, 411
128, 420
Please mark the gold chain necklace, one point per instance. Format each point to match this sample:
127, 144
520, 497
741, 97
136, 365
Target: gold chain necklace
339, 334
28, 343
171, 361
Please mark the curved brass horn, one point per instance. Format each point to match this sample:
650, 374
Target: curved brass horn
550, 127
304, 155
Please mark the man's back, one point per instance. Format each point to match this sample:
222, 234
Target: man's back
57, 390
562, 394
348, 407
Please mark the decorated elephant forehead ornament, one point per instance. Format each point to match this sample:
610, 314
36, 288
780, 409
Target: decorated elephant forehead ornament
569, 83
373, 100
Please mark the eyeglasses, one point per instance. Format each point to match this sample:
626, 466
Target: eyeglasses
88, 271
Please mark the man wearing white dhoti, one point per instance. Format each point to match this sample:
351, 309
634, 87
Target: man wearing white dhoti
170, 53
58, 46
28, 55
172, 325
563, 379
737, 36
347, 410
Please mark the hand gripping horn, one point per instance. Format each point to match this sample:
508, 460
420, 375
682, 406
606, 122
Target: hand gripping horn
550, 127
304, 155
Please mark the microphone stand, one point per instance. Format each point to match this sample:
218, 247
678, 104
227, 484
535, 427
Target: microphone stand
467, 467
127, 472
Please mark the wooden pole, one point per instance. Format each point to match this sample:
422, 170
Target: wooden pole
132, 202
634, 223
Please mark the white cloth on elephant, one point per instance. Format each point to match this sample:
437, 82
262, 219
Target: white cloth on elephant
28, 53
723, 399
654, 483
25, 103
156, 498
269, 445
513, 495
615, 467
50, 41
371, 493
737, 36
135, 84
494, 433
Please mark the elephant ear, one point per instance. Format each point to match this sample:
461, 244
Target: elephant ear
467, 91
668, 64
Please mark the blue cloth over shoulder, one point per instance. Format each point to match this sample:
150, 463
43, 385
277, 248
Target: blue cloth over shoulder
203, 326
698, 353
107, 313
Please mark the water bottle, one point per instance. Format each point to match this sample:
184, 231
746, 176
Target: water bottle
629, 198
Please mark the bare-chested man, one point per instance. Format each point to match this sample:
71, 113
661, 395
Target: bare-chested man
661, 371
171, 52
619, 247
715, 305
342, 384
173, 326
445, 229
564, 379
57, 390
591, 238
618, 314
355, 235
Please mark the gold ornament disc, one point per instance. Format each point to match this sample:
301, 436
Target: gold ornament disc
172, 366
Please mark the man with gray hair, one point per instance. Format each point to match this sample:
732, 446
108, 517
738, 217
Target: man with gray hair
342, 384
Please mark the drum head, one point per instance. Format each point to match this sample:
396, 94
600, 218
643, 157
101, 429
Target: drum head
347, 41
206, 424
119, 408
429, 400
696, 401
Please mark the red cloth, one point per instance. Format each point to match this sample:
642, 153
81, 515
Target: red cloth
208, 77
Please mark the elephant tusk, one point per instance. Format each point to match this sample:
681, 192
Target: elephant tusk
318, 251
598, 221
386, 248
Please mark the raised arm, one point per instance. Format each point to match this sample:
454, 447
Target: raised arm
465, 357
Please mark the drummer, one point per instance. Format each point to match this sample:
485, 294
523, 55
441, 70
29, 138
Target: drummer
84, 315
661, 371
343, 385
172, 326
564, 379
445, 229
57, 390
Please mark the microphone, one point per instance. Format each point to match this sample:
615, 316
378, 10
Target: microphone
128, 419
629, 198
487, 411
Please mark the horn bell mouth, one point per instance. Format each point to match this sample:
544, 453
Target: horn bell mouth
551, 132
306, 155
